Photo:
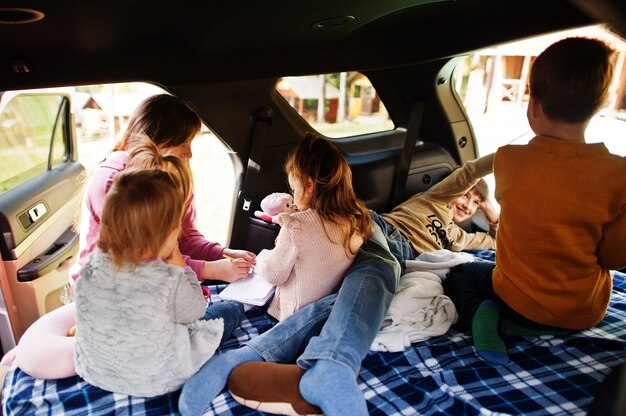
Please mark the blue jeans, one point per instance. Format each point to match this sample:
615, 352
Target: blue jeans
230, 311
342, 326
399, 245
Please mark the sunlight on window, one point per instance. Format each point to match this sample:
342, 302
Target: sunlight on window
27, 125
101, 113
492, 84
336, 105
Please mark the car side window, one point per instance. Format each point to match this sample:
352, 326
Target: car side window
336, 105
493, 85
36, 127
32, 136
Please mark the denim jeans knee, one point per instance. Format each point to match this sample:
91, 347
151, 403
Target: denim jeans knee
230, 311
398, 245
361, 304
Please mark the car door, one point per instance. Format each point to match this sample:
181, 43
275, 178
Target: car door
40, 183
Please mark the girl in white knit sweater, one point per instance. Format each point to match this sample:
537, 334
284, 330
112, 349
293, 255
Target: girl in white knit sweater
317, 243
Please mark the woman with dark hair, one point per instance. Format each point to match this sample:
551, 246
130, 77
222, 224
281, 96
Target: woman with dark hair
171, 125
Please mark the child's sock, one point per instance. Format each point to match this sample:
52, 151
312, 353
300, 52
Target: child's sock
333, 387
489, 346
200, 390
512, 328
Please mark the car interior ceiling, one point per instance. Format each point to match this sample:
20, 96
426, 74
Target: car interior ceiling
95, 42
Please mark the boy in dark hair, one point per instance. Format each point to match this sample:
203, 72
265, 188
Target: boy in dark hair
556, 243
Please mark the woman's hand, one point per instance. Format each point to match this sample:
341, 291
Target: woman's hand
240, 254
226, 270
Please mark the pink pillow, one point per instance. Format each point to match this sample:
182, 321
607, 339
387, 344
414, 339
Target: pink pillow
45, 351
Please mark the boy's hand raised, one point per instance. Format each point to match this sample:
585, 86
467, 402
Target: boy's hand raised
490, 211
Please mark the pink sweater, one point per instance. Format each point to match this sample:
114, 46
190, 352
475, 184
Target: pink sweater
305, 265
192, 243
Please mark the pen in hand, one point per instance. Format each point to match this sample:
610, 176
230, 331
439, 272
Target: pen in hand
227, 257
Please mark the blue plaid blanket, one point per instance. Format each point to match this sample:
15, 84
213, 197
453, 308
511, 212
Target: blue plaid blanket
443, 375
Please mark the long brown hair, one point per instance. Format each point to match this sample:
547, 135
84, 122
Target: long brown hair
167, 120
332, 195
140, 211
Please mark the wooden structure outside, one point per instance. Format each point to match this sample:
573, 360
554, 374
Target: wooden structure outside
303, 94
501, 73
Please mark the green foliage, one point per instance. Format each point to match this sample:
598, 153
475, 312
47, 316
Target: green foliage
27, 128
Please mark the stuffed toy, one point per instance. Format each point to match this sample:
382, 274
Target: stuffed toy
275, 204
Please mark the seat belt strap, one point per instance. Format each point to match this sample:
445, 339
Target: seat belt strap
412, 133
261, 119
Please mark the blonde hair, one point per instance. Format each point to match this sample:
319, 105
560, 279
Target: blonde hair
140, 211
144, 154
332, 195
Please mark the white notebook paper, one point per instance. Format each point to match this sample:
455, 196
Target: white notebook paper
253, 290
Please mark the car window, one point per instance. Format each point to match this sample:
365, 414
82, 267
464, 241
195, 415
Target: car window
336, 105
101, 112
492, 84
32, 136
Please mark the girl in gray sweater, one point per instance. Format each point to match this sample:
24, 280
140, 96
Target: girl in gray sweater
143, 325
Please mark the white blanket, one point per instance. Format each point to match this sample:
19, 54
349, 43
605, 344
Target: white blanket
420, 310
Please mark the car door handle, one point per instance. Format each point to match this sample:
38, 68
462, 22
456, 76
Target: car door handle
62, 250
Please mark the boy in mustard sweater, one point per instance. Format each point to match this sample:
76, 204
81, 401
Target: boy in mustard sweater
428, 221
563, 211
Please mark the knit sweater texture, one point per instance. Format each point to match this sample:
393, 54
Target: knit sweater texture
307, 263
138, 331
562, 227
425, 219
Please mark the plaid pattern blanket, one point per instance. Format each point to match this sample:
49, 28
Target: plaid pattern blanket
443, 375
